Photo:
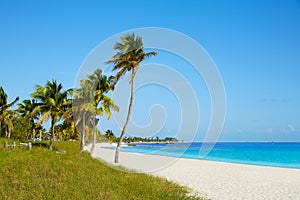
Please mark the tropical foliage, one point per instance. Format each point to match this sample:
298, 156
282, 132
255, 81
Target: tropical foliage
91, 101
52, 103
74, 113
27, 110
110, 136
153, 140
6, 115
70, 118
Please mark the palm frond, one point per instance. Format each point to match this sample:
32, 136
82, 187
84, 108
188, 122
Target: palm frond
150, 54
44, 118
119, 75
130, 52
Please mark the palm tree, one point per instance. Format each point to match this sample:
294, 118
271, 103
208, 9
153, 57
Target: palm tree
52, 103
28, 111
10, 114
110, 136
5, 114
103, 103
67, 129
82, 107
128, 58
91, 101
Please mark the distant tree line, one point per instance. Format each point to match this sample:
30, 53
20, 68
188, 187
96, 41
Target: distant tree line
149, 139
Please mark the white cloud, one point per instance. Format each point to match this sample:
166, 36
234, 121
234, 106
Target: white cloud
291, 128
270, 130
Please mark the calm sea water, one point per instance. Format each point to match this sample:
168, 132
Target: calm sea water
285, 155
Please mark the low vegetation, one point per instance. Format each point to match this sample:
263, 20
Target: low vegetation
65, 173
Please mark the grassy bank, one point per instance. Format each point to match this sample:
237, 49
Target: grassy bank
44, 174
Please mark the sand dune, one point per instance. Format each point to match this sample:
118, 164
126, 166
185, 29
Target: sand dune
214, 180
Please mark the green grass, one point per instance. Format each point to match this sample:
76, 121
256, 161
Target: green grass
44, 174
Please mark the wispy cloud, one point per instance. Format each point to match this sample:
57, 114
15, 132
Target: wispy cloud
289, 129
270, 130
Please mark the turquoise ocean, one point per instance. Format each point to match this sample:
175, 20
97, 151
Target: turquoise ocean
280, 154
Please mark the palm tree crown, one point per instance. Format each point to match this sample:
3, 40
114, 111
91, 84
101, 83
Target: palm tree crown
130, 54
27, 109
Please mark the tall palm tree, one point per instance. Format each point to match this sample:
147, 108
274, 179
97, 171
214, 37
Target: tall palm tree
5, 114
130, 53
28, 111
83, 106
103, 103
91, 101
52, 103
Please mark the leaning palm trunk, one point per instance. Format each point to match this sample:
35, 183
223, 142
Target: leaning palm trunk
9, 130
94, 134
82, 141
128, 117
33, 128
52, 134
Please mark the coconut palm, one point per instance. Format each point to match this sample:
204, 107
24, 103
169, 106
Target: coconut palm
103, 103
52, 103
104, 108
110, 136
101, 85
10, 114
91, 100
5, 114
83, 106
130, 53
27, 109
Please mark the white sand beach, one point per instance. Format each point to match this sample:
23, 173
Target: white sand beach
213, 180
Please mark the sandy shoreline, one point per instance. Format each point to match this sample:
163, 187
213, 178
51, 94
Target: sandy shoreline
215, 180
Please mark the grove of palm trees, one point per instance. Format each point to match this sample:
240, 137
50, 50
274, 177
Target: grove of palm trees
52, 103
73, 113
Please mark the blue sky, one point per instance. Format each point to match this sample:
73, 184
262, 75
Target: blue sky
255, 45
